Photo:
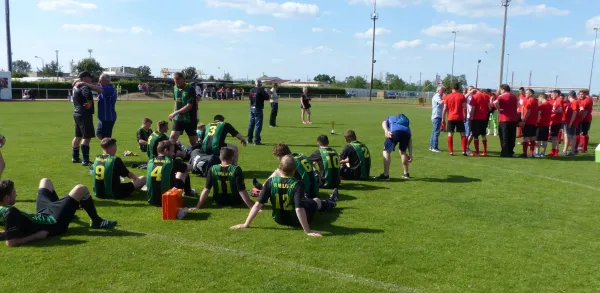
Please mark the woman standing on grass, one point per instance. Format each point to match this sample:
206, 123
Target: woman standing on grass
305, 105
274, 106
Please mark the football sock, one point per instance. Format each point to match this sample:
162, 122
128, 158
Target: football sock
463, 143
485, 145
85, 152
450, 144
75, 153
476, 145
531, 147
586, 141
525, 145
87, 203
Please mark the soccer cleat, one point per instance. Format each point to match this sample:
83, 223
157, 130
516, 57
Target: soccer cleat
103, 224
436, 150
335, 195
474, 154
430, 148
144, 188
571, 154
75, 161
451, 153
86, 163
257, 184
406, 176
382, 177
465, 154
484, 154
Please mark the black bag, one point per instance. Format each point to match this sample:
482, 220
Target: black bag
201, 162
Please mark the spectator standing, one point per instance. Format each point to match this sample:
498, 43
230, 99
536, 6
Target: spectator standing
107, 115
257, 97
274, 106
507, 104
437, 106
83, 114
305, 105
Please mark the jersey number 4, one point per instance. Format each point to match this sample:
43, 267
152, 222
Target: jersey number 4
157, 173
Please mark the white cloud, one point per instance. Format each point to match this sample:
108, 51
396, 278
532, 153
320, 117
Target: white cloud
369, 33
592, 23
287, 9
532, 44
317, 30
139, 30
558, 42
66, 6
562, 41
386, 3
446, 28
337, 31
460, 45
377, 43
318, 49
583, 44
222, 27
407, 44
104, 28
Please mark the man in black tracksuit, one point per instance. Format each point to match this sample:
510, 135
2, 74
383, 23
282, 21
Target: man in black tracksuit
83, 114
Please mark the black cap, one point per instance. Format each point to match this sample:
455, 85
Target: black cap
85, 74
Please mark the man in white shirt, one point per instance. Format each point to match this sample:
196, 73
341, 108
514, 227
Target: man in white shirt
470, 92
437, 106
274, 99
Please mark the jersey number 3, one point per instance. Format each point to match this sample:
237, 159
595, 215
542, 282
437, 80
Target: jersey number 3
211, 130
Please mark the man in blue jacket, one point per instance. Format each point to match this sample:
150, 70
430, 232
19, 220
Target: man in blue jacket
397, 132
107, 116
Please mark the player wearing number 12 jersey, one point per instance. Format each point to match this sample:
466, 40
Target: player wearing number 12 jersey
355, 159
227, 182
164, 173
108, 170
291, 207
327, 162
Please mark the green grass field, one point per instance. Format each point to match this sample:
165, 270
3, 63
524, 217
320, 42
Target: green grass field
460, 225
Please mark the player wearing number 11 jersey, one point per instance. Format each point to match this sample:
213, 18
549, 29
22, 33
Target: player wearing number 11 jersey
291, 207
227, 182
164, 173
327, 162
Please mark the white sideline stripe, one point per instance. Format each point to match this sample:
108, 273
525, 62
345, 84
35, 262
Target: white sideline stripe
526, 173
269, 260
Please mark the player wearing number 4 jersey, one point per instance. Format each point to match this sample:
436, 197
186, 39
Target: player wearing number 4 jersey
327, 163
290, 205
164, 173
355, 159
227, 182
108, 170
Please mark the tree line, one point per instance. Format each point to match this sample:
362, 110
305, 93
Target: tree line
389, 82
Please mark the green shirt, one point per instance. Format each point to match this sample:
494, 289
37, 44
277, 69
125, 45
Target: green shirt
184, 97
306, 173
153, 141
143, 134
364, 156
285, 194
226, 183
158, 178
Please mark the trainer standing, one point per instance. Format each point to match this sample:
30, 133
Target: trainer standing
83, 114
437, 108
107, 116
257, 96
274, 106
507, 104
185, 111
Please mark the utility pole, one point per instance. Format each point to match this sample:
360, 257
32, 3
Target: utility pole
374, 17
477, 76
507, 63
90, 51
530, 71
512, 79
593, 57
556, 82
453, 51
8, 44
57, 67
505, 3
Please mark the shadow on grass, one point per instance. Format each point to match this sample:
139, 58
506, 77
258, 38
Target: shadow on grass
196, 216
82, 231
259, 174
297, 126
356, 185
134, 164
449, 179
578, 158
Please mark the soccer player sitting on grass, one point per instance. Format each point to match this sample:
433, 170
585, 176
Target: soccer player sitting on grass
304, 170
327, 162
53, 214
290, 205
355, 159
108, 170
156, 137
397, 131
227, 182
165, 172
143, 134
214, 138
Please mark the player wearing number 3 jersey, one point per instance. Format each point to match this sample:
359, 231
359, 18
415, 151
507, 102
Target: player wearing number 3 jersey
290, 205
213, 139
227, 182
164, 173
108, 170
327, 162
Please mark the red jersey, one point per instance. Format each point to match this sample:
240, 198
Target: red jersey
566, 105
587, 104
572, 109
480, 103
522, 101
545, 112
556, 118
530, 104
507, 104
455, 103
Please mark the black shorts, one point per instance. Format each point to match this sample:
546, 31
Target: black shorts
290, 219
542, 133
348, 173
398, 137
529, 130
479, 128
519, 117
124, 190
63, 210
456, 126
569, 131
188, 127
585, 127
105, 128
307, 106
555, 129
84, 126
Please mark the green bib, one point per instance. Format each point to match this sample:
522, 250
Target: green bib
365, 159
153, 141
224, 186
211, 143
103, 175
36, 219
331, 167
305, 172
181, 98
282, 200
158, 178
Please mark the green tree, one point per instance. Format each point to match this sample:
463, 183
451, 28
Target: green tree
143, 71
15, 74
325, 78
448, 80
21, 66
394, 82
356, 82
90, 65
227, 76
378, 84
50, 69
190, 73
428, 86
211, 78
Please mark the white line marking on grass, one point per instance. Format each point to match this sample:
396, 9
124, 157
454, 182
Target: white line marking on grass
525, 173
269, 260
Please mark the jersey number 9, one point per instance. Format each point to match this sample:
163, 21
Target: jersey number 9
99, 172
157, 173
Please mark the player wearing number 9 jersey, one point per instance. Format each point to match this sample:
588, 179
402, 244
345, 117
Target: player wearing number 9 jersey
108, 170
227, 182
164, 173
327, 162
290, 205
355, 159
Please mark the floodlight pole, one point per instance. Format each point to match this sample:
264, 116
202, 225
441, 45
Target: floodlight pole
8, 44
593, 57
477, 76
453, 51
57, 67
507, 64
505, 3
374, 17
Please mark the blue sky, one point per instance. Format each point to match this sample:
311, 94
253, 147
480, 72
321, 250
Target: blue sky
294, 40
